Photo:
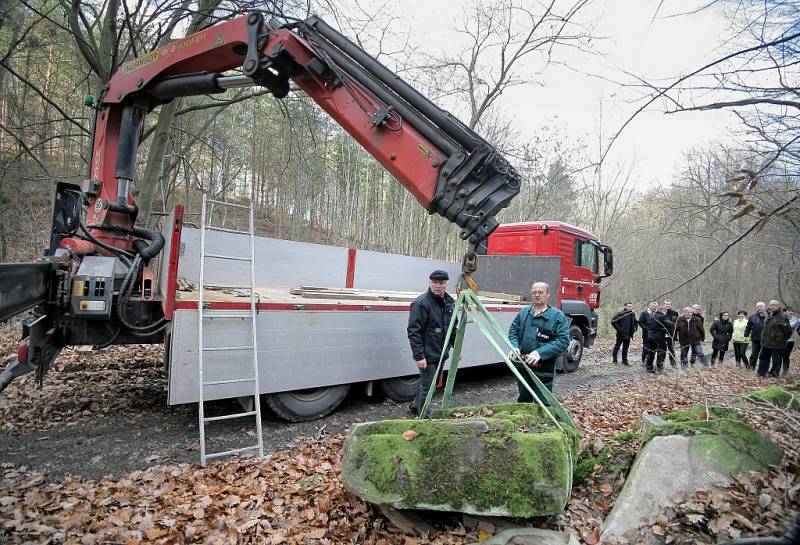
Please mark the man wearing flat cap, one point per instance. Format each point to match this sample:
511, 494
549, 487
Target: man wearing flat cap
428, 321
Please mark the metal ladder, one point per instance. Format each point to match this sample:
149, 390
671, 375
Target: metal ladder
205, 314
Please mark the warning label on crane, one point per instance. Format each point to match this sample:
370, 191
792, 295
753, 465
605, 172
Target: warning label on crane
169, 49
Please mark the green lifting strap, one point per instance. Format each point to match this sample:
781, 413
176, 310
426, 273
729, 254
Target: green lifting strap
469, 308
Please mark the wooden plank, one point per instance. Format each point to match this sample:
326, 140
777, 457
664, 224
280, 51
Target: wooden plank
359, 297
396, 296
497, 295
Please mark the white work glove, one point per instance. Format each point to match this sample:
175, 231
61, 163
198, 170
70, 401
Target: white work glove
533, 358
514, 355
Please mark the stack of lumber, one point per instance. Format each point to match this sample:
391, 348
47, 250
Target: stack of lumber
319, 292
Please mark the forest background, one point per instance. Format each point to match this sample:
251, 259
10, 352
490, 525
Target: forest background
724, 232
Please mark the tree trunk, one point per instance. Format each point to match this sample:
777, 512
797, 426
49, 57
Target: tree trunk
158, 147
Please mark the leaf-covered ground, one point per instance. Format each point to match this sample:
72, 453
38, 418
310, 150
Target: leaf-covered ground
81, 385
295, 495
763, 503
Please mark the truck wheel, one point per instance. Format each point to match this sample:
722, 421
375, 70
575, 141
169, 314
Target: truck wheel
308, 404
401, 388
574, 350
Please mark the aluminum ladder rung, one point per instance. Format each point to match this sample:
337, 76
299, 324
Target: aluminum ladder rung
225, 348
244, 316
234, 451
226, 230
228, 257
226, 287
227, 203
228, 381
228, 416
203, 321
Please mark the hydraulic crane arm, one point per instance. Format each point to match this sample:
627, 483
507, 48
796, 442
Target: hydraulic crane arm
448, 168
95, 286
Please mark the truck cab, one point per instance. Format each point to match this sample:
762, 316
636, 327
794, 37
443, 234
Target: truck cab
573, 262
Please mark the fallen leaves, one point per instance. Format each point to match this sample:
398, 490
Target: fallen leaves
239, 501
82, 385
296, 496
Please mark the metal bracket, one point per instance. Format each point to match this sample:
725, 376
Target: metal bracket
251, 60
381, 116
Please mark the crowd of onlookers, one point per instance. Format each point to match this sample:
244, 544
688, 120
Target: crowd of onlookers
771, 332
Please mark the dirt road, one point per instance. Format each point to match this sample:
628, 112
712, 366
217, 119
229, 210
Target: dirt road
147, 434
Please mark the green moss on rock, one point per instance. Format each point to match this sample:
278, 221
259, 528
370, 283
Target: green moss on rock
731, 443
777, 396
694, 413
490, 464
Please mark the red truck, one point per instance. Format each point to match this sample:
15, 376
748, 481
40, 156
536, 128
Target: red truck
571, 260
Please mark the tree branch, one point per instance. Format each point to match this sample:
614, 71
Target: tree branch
42, 95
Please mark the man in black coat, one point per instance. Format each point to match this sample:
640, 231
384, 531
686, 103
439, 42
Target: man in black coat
672, 316
428, 321
624, 323
774, 337
753, 329
660, 327
644, 323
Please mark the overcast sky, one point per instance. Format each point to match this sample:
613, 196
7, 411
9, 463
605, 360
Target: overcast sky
571, 100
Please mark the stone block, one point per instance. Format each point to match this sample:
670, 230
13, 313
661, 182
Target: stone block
649, 421
497, 460
685, 455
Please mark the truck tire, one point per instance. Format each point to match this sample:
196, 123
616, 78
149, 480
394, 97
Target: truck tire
574, 350
401, 388
309, 404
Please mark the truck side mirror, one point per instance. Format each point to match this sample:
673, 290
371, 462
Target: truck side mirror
608, 261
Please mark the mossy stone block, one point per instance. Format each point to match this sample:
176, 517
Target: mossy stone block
498, 460
777, 396
690, 451
728, 444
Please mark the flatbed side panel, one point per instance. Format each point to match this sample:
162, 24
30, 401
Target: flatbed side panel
382, 271
277, 262
290, 263
304, 349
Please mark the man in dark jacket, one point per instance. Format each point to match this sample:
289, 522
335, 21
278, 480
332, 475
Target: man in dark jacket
660, 327
538, 335
755, 325
689, 333
672, 316
644, 323
624, 323
774, 336
428, 321
698, 311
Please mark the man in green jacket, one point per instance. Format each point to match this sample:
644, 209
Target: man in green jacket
539, 334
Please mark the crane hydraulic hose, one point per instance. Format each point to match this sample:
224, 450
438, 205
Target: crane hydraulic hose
156, 242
